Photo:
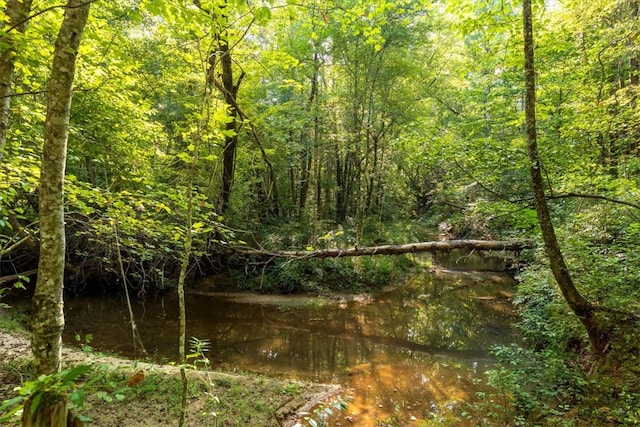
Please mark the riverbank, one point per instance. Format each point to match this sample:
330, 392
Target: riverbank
215, 398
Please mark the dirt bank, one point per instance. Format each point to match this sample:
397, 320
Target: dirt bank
215, 398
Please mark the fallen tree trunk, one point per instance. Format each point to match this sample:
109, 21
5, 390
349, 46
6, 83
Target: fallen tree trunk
434, 246
16, 277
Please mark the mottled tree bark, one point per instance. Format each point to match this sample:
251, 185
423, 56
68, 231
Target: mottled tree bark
584, 309
47, 321
17, 11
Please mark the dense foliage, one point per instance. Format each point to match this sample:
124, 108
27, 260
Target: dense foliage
322, 124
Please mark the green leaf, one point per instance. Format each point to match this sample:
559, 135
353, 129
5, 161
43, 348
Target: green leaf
35, 402
8, 416
77, 397
73, 373
11, 402
184, 157
262, 14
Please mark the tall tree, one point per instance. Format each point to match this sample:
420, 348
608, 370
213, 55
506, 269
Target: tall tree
599, 333
17, 11
221, 75
229, 87
47, 322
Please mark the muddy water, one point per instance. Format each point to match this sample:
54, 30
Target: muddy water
407, 353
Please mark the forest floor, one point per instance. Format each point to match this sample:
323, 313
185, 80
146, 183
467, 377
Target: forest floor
144, 394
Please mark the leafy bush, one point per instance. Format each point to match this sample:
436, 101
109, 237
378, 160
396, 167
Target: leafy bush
60, 383
355, 274
536, 384
139, 231
545, 319
546, 379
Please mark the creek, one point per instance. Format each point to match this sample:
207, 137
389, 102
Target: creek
409, 352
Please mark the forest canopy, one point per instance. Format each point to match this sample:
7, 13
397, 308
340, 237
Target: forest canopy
197, 127
306, 124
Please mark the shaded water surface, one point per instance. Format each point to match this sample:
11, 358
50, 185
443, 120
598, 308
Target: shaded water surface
406, 354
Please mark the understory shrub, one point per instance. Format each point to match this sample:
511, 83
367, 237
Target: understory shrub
353, 274
551, 379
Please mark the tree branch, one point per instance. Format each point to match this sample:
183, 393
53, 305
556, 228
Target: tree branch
45, 10
594, 196
582, 196
10, 249
35, 92
548, 197
11, 278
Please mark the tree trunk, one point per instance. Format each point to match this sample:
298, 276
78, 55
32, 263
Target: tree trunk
231, 136
17, 11
47, 321
305, 174
634, 61
598, 332
444, 245
308, 157
51, 411
184, 265
229, 90
346, 177
292, 186
318, 182
91, 170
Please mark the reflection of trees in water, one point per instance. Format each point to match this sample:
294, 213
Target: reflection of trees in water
428, 316
407, 352
435, 315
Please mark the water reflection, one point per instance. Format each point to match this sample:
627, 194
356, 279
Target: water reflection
405, 353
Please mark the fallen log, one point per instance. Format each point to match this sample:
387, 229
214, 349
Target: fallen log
434, 246
16, 277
